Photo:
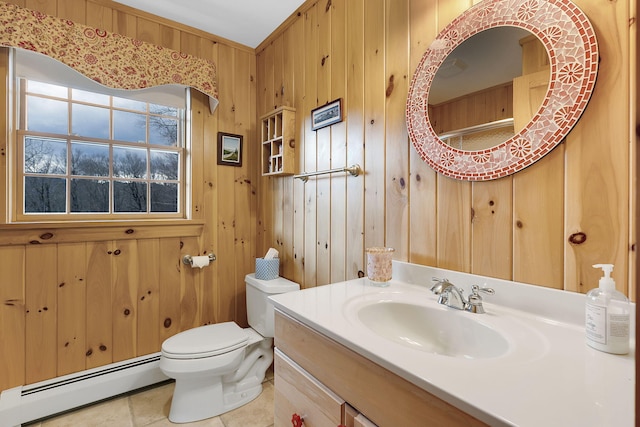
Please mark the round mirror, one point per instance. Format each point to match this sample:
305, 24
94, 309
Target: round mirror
542, 72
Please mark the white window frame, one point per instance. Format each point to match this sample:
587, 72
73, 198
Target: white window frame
16, 172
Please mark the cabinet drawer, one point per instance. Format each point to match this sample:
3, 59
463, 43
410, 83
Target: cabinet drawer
296, 392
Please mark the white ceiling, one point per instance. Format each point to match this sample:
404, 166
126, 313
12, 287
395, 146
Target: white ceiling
247, 22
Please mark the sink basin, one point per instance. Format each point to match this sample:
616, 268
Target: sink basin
433, 329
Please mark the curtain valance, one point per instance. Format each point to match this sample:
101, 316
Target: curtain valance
108, 58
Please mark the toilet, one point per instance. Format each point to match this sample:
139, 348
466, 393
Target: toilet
221, 367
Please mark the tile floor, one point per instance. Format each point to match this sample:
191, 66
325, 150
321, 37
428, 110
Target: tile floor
150, 407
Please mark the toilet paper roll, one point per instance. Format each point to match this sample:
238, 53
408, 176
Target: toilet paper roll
199, 261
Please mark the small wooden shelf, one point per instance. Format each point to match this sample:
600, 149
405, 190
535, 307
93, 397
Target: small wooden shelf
278, 142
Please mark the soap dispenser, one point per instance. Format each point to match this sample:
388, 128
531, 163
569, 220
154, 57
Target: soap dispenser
607, 315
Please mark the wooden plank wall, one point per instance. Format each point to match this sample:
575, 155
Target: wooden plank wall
516, 228
83, 297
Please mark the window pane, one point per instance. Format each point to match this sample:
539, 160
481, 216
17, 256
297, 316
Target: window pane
129, 196
164, 197
129, 162
47, 156
47, 89
163, 110
92, 97
89, 159
164, 165
89, 196
163, 131
44, 195
90, 121
93, 153
47, 115
129, 104
129, 127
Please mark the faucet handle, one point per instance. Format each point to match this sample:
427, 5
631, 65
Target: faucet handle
475, 300
475, 289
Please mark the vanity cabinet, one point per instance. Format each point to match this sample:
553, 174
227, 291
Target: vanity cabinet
278, 142
375, 392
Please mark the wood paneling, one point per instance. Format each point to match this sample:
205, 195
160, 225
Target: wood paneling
338, 155
295, 245
79, 296
99, 340
124, 313
396, 176
147, 299
40, 312
374, 123
308, 146
71, 328
323, 64
12, 316
422, 184
491, 214
514, 228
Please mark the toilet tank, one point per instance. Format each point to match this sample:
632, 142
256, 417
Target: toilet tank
259, 308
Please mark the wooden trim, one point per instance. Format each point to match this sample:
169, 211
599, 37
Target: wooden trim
376, 392
21, 234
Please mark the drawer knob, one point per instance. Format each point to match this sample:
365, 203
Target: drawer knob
296, 420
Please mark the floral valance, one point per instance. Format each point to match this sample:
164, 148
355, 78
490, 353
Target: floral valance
108, 58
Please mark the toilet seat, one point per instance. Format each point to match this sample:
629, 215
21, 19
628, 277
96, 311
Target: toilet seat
205, 341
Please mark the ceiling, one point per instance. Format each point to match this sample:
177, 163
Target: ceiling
248, 22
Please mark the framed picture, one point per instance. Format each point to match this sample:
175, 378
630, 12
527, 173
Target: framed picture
327, 114
229, 149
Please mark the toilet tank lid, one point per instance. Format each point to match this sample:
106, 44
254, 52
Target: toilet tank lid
279, 285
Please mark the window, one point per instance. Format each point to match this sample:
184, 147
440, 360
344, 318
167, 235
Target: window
85, 154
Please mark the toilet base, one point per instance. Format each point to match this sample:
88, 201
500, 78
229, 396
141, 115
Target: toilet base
199, 400
197, 397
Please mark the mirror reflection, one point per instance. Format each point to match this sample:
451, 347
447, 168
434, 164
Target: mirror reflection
488, 88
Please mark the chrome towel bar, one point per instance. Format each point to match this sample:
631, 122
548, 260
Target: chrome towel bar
354, 170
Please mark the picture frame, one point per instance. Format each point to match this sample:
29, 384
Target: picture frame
326, 115
229, 149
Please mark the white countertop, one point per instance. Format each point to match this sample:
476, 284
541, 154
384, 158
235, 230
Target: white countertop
549, 377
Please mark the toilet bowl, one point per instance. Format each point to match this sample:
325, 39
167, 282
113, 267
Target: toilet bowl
221, 367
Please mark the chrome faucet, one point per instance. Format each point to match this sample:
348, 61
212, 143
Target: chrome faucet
452, 296
448, 293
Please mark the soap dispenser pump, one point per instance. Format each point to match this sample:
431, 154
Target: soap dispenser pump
607, 315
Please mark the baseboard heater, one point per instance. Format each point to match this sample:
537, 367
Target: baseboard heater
34, 401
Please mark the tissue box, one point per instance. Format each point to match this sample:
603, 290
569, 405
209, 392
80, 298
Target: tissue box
267, 269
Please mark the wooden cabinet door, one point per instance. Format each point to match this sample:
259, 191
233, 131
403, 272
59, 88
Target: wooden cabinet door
297, 392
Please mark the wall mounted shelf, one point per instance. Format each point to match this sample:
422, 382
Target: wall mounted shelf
278, 142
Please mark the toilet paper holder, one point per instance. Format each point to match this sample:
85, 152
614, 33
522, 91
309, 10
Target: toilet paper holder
188, 259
